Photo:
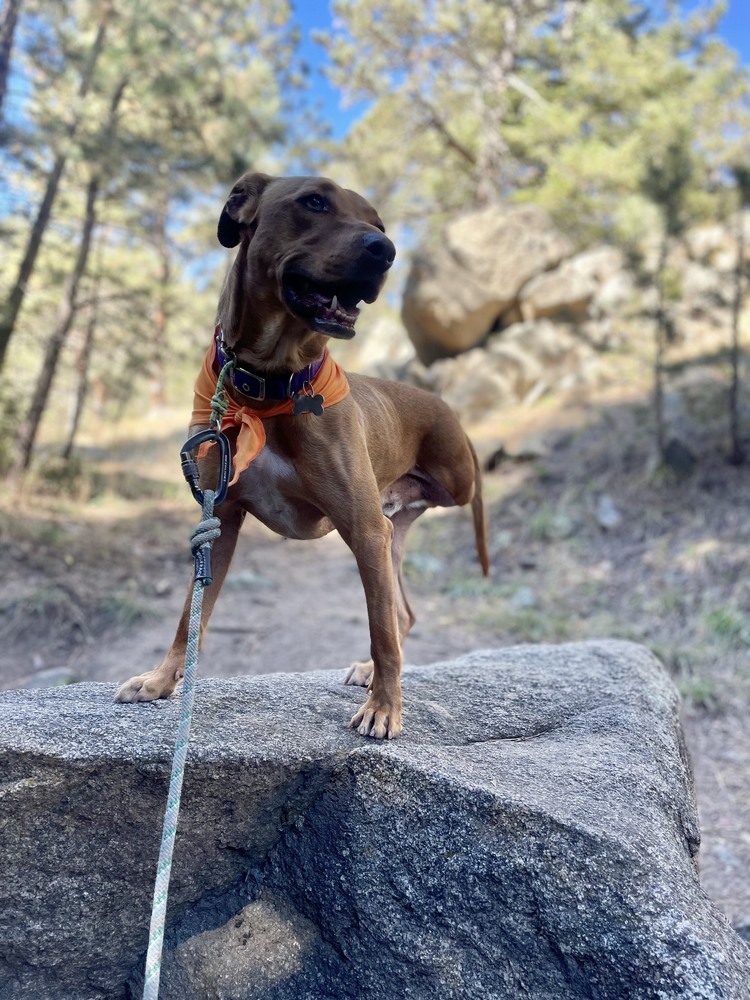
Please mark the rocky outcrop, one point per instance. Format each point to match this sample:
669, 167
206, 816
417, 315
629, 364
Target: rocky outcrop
457, 290
533, 834
500, 283
503, 282
519, 365
564, 292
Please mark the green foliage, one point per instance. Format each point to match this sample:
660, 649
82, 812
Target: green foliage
46, 610
120, 613
178, 100
609, 113
730, 625
741, 175
586, 108
701, 692
672, 284
669, 170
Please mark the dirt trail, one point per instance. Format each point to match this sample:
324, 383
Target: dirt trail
285, 606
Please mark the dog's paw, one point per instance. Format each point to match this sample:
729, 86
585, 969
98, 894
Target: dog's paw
376, 719
360, 674
149, 686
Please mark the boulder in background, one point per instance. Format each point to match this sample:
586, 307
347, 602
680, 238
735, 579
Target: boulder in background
457, 290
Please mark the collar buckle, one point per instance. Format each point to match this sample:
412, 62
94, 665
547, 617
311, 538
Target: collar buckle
249, 384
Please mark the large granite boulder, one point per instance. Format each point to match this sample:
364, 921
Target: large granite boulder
519, 364
533, 834
564, 293
460, 287
473, 384
715, 244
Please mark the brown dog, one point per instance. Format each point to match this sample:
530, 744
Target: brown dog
367, 466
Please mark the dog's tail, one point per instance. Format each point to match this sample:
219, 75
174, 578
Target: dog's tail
479, 515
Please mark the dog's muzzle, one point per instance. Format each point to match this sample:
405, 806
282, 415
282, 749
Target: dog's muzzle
332, 307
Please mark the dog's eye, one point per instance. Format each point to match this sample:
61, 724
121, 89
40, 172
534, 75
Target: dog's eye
315, 202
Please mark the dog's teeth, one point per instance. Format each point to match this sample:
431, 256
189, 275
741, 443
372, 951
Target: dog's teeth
334, 303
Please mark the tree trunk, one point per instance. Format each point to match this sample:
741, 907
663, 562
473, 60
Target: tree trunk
492, 160
83, 366
661, 340
12, 305
68, 307
161, 311
7, 31
736, 454
30, 425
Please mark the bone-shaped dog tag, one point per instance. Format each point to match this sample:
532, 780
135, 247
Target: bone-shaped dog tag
304, 403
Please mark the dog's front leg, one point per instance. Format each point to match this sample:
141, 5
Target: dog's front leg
380, 715
162, 680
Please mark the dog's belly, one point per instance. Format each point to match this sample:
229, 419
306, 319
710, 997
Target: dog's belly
271, 491
408, 492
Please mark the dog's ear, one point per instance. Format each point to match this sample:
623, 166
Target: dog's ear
241, 207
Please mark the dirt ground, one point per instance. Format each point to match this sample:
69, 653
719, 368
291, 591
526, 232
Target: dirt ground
92, 587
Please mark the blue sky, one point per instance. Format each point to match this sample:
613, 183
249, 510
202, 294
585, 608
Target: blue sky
315, 14
735, 28
312, 15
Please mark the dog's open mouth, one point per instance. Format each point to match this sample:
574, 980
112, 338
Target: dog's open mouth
328, 308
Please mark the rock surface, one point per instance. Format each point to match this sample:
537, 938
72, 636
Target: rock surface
565, 293
456, 291
532, 835
506, 277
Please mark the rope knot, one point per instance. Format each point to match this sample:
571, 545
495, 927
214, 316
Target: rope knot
205, 533
219, 405
220, 398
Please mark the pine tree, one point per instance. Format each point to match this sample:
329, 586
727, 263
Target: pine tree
466, 101
742, 182
11, 308
128, 128
668, 175
8, 22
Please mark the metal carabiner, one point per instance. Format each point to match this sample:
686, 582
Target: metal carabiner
190, 466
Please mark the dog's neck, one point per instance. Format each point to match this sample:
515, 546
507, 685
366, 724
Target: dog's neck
260, 331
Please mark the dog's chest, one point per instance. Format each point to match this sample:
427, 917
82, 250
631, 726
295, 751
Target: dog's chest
272, 491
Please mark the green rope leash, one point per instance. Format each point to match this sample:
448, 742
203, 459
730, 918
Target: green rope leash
202, 539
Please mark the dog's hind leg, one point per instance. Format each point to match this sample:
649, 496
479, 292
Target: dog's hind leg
360, 673
162, 680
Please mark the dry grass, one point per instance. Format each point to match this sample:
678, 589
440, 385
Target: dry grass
671, 574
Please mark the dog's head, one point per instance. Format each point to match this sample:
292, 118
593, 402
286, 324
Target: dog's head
310, 251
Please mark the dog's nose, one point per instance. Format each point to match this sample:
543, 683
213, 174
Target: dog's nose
380, 247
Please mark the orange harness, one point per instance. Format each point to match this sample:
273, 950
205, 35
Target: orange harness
330, 382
